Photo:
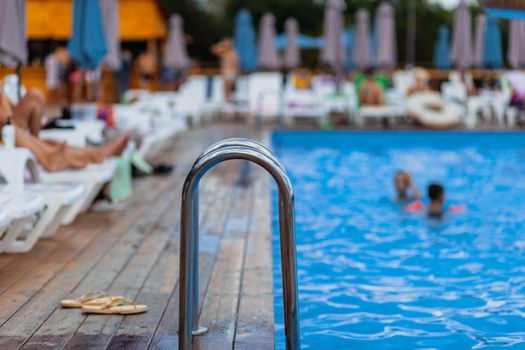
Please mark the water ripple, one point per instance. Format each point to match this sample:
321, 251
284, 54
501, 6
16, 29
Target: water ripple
374, 277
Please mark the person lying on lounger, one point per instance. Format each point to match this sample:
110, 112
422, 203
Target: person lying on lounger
406, 190
52, 155
421, 82
371, 92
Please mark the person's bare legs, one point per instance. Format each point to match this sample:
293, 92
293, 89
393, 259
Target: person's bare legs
94, 154
27, 114
229, 85
51, 157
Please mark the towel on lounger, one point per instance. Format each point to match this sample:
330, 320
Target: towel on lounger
120, 186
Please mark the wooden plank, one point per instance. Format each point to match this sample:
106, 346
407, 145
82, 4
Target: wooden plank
96, 330
16, 296
22, 325
137, 332
93, 333
255, 322
56, 322
5, 259
138, 256
24, 263
219, 311
220, 305
165, 336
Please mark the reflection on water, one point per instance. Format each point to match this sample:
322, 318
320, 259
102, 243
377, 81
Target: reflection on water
374, 277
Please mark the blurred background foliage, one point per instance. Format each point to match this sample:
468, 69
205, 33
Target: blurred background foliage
207, 21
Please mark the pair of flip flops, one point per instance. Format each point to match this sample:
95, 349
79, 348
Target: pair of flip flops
103, 303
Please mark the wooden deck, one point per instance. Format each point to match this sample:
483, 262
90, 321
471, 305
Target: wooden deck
134, 252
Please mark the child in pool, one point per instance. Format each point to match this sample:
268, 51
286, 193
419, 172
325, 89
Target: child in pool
436, 207
436, 194
404, 185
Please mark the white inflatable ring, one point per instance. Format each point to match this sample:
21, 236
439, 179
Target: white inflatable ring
429, 109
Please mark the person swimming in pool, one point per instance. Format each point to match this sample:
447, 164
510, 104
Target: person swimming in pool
436, 194
436, 207
406, 190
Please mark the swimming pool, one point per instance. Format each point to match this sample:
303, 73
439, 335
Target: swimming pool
372, 276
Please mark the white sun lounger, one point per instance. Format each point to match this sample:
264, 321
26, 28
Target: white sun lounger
265, 95
304, 103
14, 164
59, 199
82, 132
5, 220
191, 98
93, 177
25, 229
153, 121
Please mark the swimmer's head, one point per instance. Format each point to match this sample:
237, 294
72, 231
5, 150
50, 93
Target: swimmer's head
436, 193
402, 182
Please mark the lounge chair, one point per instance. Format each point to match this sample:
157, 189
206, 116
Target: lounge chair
215, 100
6, 219
304, 103
265, 95
152, 120
94, 177
88, 181
190, 99
26, 227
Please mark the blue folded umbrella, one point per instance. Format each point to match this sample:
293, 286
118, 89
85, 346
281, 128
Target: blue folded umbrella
245, 41
349, 45
441, 58
492, 48
87, 45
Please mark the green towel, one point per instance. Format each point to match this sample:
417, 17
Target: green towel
120, 187
140, 163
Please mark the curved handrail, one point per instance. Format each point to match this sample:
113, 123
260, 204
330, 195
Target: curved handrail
240, 142
188, 307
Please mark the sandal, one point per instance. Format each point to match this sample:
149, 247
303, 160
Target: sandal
117, 306
93, 298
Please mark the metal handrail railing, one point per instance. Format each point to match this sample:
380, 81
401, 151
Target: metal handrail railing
188, 302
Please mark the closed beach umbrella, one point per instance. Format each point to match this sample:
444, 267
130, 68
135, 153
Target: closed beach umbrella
479, 40
13, 41
292, 56
244, 38
176, 54
373, 43
87, 45
333, 53
349, 45
386, 51
361, 51
462, 50
442, 49
268, 56
110, 16
493, 50
516, 49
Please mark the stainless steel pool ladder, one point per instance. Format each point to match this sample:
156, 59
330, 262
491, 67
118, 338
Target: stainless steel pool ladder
189, 236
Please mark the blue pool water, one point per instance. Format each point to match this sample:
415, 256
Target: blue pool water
374, 277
